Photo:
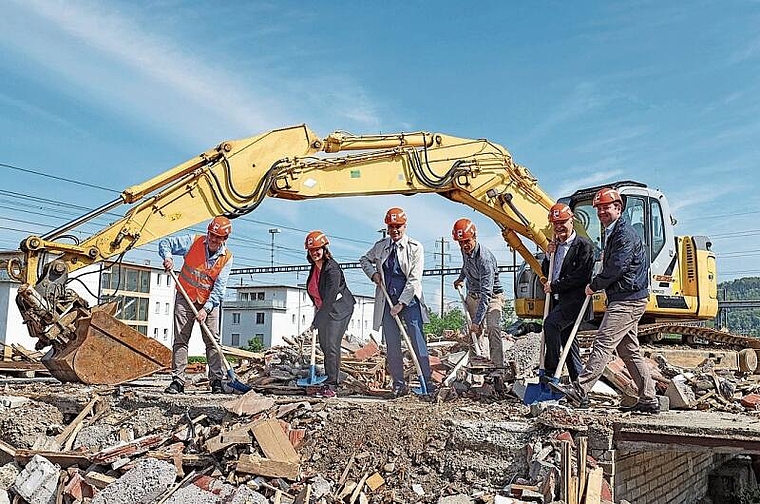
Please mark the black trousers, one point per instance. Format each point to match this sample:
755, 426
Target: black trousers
557, 329
330, 334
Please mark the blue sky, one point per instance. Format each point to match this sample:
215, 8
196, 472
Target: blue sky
582, 93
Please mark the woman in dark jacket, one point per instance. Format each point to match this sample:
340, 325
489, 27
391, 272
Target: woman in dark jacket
333, 301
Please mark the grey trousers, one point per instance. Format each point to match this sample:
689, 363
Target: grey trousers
330, 334
619, 331
183, 328
492, 325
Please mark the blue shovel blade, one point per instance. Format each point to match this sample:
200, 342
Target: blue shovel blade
312, 380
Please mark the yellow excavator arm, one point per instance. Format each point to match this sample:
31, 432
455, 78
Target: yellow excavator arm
233, 178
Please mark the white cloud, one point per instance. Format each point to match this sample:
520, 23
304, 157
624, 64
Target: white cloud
161, 82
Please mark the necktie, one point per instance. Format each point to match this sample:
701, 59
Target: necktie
559, 256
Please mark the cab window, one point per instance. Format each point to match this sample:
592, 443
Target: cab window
658, 226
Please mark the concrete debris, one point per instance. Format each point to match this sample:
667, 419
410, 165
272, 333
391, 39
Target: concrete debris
38, 482
141, 484
8, 474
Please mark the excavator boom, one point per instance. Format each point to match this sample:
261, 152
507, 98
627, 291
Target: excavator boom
233, 179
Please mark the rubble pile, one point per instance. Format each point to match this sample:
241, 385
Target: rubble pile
279, 444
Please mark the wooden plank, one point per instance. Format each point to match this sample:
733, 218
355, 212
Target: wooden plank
98, 480
69, 430
252, 464
244, 354
565, 463
274, 443
582, 453
63, 459
238, 435
7, 449
594, 486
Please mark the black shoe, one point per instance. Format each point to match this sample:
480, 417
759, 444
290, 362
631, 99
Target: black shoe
574, 396
640, 407
399, 391
175, 387
216, 387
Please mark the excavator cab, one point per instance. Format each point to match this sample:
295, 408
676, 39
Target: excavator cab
682, 273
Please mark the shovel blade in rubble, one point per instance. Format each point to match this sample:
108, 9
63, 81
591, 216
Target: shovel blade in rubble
106, 351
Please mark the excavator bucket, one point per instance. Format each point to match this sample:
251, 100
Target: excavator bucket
106, 351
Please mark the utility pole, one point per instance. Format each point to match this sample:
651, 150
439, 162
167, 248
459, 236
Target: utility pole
384, 231
273, 231
443, 254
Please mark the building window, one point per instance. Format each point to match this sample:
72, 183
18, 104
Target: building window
244, 296
293, 320
235, 318
158, 307
303, 295
303, 319
235, 339
166, 334
158, 279
166, 309
260, 296
168, 280
144, 281
155, 333
259, 318
259, 338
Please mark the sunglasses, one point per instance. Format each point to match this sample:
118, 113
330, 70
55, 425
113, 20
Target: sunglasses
395, 226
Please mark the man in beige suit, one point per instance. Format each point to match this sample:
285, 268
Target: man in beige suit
397, 263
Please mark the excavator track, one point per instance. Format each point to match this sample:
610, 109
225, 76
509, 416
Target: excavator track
691, 331
748, 347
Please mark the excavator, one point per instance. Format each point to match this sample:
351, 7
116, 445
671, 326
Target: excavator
89, 345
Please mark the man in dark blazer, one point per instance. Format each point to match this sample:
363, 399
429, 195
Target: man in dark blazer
573, 266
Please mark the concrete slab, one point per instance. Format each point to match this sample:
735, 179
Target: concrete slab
692, 430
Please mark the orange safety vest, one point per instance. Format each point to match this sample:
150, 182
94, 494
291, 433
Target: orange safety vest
197, 278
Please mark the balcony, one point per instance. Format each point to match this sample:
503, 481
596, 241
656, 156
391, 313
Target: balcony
257, 304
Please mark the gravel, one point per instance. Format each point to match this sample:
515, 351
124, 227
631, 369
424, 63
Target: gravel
140, 485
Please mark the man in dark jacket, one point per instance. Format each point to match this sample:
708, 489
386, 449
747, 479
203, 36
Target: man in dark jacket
573, 265
624, 278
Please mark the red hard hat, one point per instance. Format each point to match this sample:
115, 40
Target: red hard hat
464, 229
220, 226
559, 212
315, 240
395, 215
606, 195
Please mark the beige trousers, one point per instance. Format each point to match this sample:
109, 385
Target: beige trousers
184, 319
492, 326
619, 332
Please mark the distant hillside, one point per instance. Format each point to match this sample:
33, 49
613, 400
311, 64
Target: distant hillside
742, 321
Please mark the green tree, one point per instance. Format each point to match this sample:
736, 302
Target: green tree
254, 345
452, 319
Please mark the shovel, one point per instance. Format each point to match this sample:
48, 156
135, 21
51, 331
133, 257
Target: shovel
547, 394
423, 386
231, 377
313, 379
468, 323
540, 391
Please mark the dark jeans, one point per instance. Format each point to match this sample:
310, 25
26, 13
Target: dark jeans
412, 317
557, 329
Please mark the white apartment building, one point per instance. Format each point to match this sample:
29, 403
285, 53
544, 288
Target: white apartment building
145, 295
269, 313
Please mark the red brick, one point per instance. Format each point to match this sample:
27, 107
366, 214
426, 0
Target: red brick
751, 401
367, 351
